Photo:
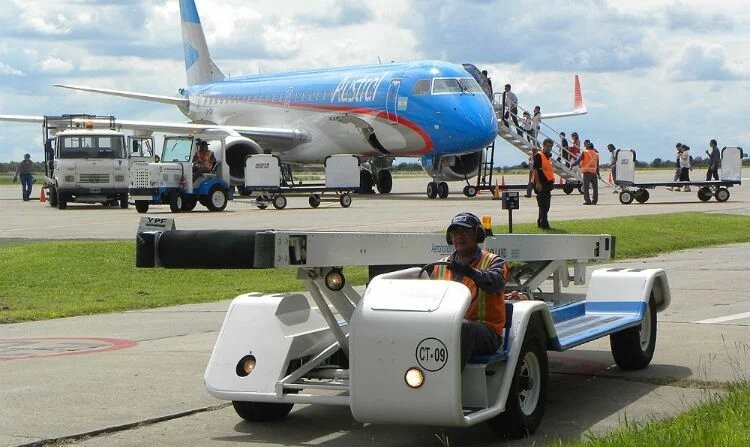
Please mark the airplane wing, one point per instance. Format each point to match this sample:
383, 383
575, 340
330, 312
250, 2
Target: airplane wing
171, 100
273, 139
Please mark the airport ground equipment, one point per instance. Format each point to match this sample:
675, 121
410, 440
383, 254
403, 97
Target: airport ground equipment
731, 175
171, 180
266, 175
84, 163
391, 354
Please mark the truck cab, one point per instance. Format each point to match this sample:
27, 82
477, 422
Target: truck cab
173, 180
85, 164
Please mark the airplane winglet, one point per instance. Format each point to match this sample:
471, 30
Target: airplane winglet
578, 104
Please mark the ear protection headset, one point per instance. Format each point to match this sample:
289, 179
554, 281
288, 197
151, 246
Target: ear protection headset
464, 219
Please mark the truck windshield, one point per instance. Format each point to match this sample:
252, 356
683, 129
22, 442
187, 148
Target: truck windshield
176, 149
91, 146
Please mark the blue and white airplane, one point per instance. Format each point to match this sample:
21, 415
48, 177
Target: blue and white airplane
429, 109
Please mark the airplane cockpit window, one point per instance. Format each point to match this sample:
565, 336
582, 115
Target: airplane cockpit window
446, 85
471, 85
422, 87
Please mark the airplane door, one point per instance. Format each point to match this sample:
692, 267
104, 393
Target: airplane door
391, 101
288, 98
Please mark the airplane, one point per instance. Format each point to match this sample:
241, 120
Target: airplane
435, 110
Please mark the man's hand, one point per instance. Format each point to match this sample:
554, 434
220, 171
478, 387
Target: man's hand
461, 267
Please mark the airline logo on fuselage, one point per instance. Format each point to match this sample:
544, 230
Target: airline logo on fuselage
357, 90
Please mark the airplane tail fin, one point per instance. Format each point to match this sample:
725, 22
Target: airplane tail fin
578, 104
199, 67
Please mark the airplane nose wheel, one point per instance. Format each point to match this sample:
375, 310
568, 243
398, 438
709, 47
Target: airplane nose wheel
432, 190
470, 191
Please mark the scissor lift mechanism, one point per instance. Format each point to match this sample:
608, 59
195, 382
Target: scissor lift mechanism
352, 349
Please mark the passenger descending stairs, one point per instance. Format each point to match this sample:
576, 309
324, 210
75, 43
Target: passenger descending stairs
571, 176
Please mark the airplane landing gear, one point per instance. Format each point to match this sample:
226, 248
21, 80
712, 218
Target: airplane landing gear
384, 181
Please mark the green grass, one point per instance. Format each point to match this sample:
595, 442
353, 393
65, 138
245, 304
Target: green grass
54, 279
721, 420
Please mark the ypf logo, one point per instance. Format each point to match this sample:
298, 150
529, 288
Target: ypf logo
432, 355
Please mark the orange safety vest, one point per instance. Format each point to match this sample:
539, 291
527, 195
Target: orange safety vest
205, 159
546, 168
488, 308
589, 162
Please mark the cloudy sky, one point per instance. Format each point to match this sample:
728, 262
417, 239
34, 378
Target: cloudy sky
653, 72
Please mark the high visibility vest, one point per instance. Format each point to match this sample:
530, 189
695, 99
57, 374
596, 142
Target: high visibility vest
204, 159
488, 308
546, 167
589, 162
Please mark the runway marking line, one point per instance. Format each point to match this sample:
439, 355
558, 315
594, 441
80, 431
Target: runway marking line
725, 318
29, 348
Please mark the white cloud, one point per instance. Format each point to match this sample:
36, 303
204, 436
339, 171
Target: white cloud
700, 61
8, 70
55, 65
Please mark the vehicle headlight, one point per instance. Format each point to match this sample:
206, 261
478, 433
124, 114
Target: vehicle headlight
246, 365
335, 280
414, 377
119, 178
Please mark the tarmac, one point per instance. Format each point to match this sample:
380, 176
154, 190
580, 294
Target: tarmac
136, 378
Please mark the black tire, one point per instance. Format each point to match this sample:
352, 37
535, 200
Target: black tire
244, 191
442, 190
722, 195
470, 191
633, 348
705, 194
568, 188
527, 397
141, 206
385, 182
62, 201
52, 197
217, 199
432, 190
123, 201
176, 199
261, 411
314, 200
279, 202
366, 182
345, 200
188, 203
641, 195
626, 197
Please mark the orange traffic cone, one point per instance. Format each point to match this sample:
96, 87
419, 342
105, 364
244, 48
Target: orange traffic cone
42, 196
609, 180
503, 182
496, 191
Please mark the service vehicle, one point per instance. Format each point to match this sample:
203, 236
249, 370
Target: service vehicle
392, 353
84, 163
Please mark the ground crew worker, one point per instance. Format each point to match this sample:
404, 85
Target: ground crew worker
204, 160
589, 161
23, 171
485, 275
544, 180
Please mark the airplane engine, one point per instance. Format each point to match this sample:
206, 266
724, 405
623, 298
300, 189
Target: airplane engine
452, 167
237, 151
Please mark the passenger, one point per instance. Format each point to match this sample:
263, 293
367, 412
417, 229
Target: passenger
575, 149
563, 144
489, 83
536, 124
530, 186
23, 170
686, 165
510, 104
204, 160
527, 126
484, 274
678, 147
714, 158
613, 163
544, 180
589, 161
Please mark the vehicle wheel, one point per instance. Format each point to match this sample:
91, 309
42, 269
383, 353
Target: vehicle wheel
62, 202
470, 191
314, 200
385, 182
188, 203
641, 195
527, 397
442, 190
123, 201
580, 188
217, 199
634, 347
176, 199
244, 191
279, 202
261, 411
345, 200
626, 197
705, 194
722, 195
432, 190
141, 206
52, 197
568, 188
366, 182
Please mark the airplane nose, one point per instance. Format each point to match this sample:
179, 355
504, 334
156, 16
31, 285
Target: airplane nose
481, 125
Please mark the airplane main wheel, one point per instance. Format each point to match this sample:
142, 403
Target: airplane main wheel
633, 348
442, 190
261, 411
641, 195
705, 194
217, 199
470, 191
626, 197
385, 182
527, 396
345, 200
279, 202
176, 201
141, 206
432, 190
314, 200
722, 195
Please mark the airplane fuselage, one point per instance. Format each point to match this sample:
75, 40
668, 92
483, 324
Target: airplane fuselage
399, 109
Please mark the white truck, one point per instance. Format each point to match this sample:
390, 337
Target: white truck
392, 354
85, 163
